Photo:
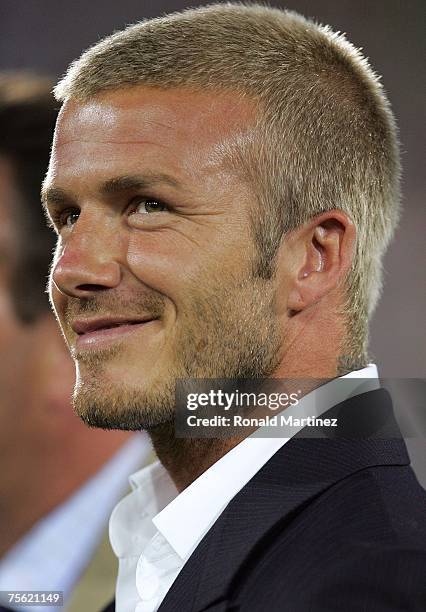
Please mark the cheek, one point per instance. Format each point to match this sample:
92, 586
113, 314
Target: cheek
190, 248
162, 260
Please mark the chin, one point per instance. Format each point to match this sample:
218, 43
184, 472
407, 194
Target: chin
108, 401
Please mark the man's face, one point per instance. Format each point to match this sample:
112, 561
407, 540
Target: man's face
153, 279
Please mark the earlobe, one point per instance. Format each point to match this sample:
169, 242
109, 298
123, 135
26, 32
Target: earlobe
295, 302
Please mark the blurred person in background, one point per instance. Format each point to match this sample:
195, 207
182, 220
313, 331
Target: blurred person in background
59, 479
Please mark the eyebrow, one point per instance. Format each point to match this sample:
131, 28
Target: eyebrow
57, 195
126, 183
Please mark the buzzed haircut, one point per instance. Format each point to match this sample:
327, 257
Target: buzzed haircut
28, 112
325, 136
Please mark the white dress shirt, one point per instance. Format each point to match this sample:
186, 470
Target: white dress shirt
53, 554
154, 530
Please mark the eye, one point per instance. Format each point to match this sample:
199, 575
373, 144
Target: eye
147, 205
65, 218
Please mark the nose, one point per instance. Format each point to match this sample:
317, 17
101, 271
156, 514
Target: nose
87, 261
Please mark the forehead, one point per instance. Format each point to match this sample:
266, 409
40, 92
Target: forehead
178, 126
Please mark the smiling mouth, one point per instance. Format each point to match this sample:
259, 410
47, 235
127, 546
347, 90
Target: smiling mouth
102, 332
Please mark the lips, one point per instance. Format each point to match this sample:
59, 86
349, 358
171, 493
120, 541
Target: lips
103, 332
87, 326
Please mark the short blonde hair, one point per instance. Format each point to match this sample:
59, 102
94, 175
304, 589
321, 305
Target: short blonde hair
326, 136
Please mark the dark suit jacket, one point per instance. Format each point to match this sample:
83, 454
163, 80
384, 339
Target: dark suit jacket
327, 525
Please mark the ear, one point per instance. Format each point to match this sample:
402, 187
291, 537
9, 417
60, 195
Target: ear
322, 256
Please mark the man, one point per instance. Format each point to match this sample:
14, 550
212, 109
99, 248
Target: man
59, 480
224, 183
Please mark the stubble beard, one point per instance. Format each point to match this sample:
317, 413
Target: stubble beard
228, 332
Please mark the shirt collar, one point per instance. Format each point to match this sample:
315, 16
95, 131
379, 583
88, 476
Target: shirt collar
202, 502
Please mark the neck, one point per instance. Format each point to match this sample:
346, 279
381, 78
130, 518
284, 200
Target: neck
185, 459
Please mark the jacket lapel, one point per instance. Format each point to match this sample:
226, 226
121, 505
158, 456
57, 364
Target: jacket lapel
300, 471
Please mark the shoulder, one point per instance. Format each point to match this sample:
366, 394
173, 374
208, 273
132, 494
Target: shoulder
361, 544
378, 504
373, 580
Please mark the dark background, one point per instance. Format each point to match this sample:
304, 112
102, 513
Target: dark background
45, 35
